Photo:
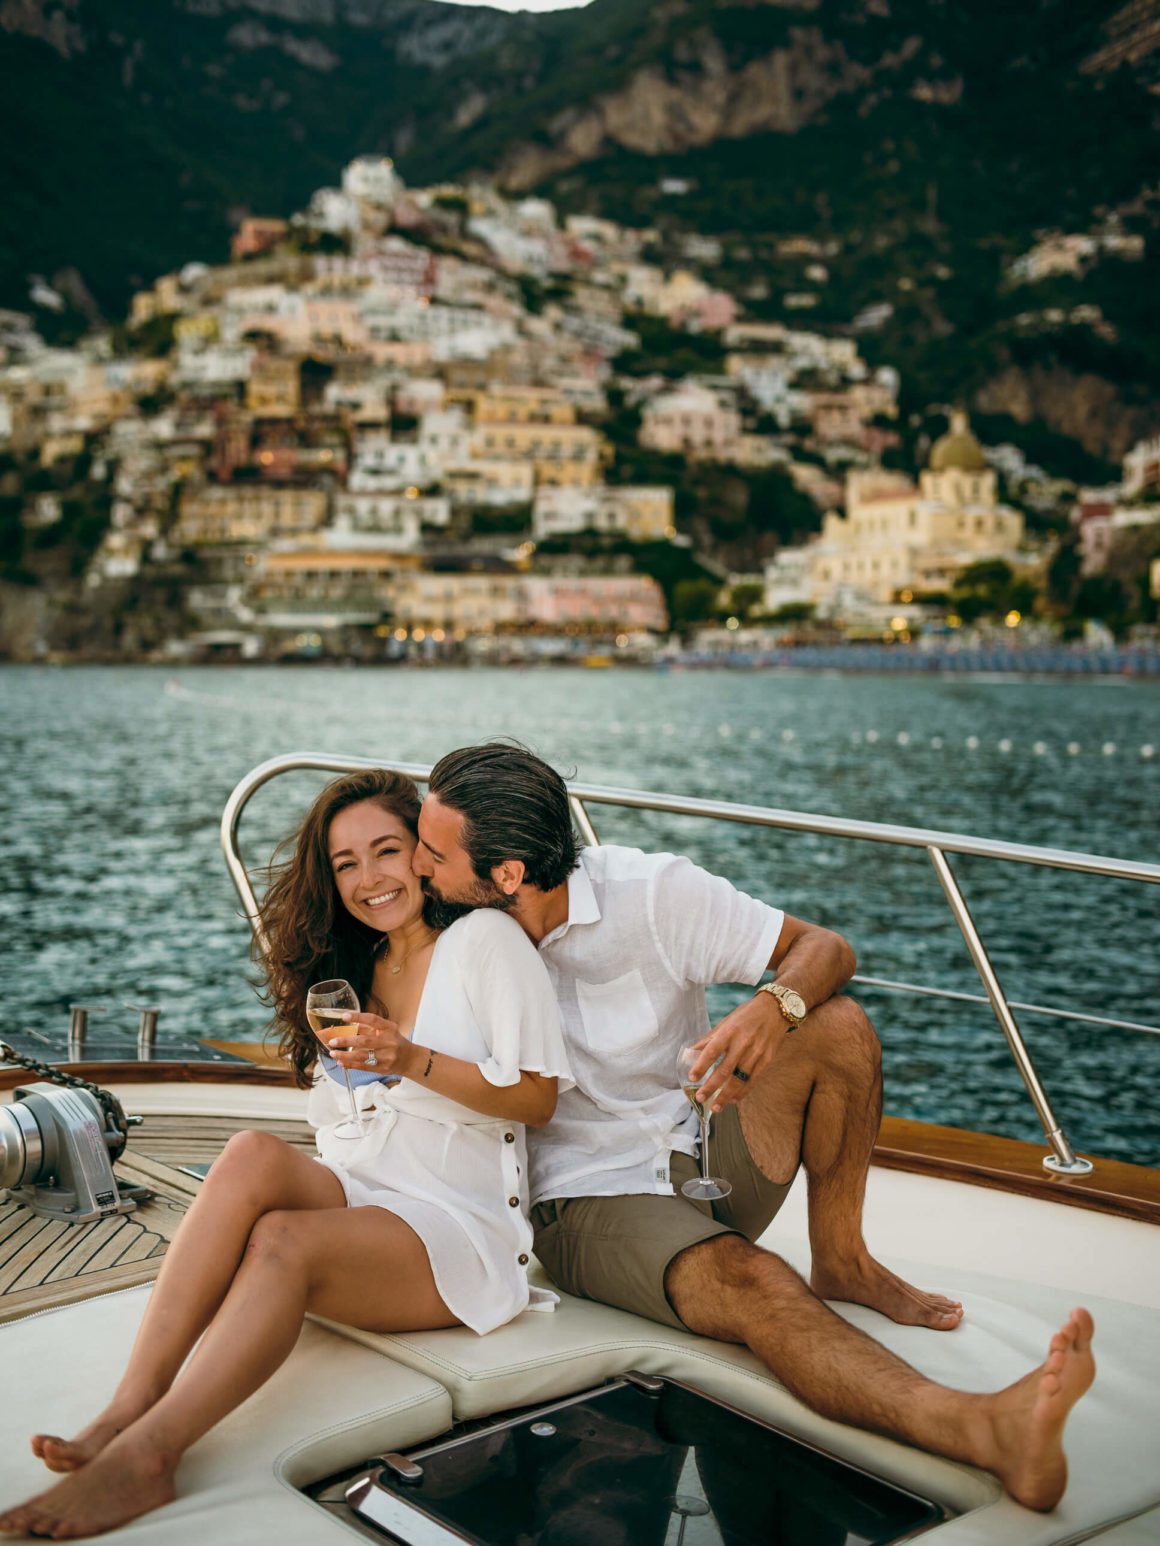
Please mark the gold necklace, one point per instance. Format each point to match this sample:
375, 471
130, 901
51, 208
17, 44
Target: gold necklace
394, 970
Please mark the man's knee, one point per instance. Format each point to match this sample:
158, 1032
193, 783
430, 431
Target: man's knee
842, 1037
718, 1285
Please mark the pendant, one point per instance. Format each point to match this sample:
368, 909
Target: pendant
395, 969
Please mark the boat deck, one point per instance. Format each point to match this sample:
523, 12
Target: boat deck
46, 1262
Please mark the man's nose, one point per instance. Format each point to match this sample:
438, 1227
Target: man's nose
420, 864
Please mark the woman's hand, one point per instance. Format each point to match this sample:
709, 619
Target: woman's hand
371, 1043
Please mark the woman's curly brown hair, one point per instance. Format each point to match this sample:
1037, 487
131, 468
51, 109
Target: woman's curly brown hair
310, 936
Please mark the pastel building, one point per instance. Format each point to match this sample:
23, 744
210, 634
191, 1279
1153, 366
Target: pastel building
620, 601
896, 537
246, 512
691, 420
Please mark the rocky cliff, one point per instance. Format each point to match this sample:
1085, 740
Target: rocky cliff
922, 144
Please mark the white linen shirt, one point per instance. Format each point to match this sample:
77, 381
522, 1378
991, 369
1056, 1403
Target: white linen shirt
645, 934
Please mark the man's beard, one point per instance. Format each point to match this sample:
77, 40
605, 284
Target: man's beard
441, 912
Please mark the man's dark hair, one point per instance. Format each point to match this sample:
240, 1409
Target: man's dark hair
514, 806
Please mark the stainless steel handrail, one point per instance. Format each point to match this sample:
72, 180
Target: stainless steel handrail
936, 844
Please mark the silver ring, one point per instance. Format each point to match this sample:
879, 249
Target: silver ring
371, 1060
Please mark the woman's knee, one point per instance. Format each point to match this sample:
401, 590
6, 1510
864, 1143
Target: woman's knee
278, 1236
252, 1155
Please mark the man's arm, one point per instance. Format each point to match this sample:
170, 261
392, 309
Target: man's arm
815, 963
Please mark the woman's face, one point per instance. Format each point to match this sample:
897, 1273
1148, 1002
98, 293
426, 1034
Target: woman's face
370, 856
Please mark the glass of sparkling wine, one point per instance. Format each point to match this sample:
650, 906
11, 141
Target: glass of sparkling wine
703, 1188
326, 1003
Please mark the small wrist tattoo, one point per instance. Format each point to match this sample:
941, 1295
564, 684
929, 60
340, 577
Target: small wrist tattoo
430, 1060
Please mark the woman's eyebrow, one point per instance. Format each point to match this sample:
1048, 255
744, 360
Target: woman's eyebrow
348, 853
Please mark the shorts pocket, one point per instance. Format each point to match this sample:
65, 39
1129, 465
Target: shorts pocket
618, 1016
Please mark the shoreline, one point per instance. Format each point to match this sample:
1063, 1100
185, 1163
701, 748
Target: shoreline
969, 665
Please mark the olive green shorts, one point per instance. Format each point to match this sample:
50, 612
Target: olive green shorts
618, 1249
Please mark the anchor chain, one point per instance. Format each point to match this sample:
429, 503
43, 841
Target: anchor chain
110, 1105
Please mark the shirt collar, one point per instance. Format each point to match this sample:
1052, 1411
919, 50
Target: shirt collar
582, 904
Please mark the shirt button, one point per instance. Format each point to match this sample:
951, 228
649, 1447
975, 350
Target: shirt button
513, 1202
523, 1259
509, 1138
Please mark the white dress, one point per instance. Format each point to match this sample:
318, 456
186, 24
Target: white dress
457, 1177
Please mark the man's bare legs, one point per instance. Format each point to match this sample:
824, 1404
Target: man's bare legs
820, 1104
729, 1289
254, 1174
362, 1266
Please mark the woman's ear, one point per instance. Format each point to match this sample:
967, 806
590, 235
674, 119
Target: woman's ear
508, 876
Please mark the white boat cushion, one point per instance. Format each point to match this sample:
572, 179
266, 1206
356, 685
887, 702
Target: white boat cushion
1111, 1436
331, 1405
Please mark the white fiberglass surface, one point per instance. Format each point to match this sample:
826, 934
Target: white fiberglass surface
950, 1225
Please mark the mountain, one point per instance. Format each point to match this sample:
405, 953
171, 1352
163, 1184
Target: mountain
921, 143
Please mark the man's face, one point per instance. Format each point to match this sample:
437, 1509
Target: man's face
442, 863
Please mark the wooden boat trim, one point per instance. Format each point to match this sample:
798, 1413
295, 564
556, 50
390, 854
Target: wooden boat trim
951, 1153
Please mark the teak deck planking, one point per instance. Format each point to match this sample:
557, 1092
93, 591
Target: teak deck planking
45, 1263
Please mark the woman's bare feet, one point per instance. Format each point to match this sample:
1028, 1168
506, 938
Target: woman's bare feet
1027, 1419
70, 1454
868, 1282
126, 1479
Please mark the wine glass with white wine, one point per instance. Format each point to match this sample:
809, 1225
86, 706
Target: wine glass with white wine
326, 1003
702, 1188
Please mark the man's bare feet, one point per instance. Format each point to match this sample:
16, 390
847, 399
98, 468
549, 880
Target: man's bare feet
1025, 1445
868, 1282
125, 1480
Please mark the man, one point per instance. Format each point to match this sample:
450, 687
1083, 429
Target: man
631, 940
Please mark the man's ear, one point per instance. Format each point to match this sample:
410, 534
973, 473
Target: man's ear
508, 876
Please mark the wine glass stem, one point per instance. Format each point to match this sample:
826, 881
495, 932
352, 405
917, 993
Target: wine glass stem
354, 1116
704, 1149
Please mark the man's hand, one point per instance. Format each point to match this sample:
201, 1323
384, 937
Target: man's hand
747, 1040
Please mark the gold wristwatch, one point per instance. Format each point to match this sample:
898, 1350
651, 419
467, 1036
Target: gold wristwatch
791, 1004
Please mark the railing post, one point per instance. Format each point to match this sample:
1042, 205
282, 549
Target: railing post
583, 821
1062, 1158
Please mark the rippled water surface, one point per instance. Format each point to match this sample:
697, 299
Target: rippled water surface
115, 891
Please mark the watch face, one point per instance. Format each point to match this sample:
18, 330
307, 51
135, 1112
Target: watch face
794, 1003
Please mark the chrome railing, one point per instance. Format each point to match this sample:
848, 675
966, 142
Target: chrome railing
936, 844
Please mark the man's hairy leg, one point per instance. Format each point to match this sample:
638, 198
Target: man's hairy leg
729, 1289
821, 1101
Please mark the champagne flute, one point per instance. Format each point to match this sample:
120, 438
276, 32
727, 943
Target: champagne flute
703, 1188
326, 1003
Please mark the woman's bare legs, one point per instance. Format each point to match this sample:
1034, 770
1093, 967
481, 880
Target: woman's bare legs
254, 1174
362, 1266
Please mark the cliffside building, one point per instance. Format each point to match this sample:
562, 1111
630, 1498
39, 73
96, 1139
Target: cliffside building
895, 537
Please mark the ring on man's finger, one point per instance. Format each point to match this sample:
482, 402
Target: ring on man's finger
371, 1060
737, 1074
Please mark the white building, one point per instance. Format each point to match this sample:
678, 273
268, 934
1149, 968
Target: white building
1142, 467
643, 513
393, 517
330, 209
372, 179
382, 464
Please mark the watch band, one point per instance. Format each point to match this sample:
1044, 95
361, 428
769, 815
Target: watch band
779, 991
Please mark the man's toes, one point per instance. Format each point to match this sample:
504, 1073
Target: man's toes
1085, 1329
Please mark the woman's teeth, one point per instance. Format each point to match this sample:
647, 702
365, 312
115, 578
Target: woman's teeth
379, 901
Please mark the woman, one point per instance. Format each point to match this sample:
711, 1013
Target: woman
410, 1227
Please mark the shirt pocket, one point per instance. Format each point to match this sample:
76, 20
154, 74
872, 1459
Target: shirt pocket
617, 1016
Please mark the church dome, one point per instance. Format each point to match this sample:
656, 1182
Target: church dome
958, 448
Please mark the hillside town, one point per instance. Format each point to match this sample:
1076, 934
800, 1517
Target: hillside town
397, 426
